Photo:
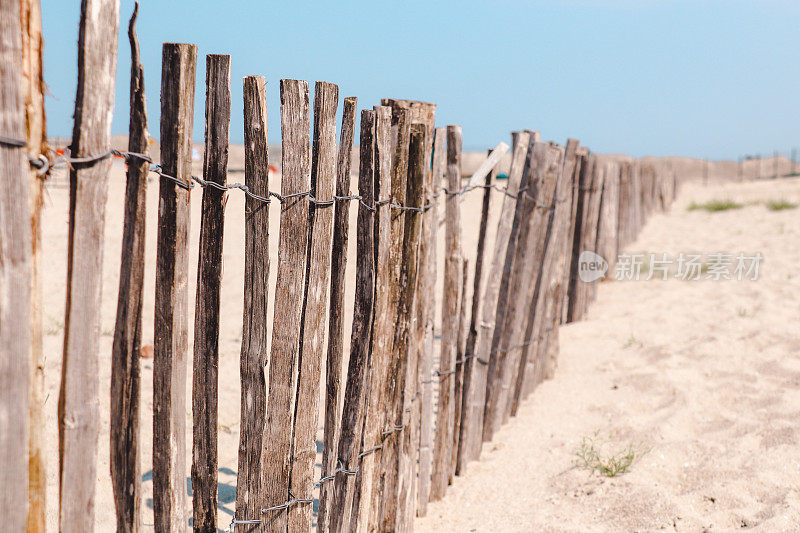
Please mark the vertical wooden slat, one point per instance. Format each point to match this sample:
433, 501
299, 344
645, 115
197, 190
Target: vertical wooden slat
519, 256
79, 411
458, 377
572, 167
422, 113
250, 495
470, 361
286, 328
315, 309
581, 206
333, 369
384, 496
374, 419
475, 388
401, 346
36, 129
15, 279
427, 298
126, 475
171, 327
543, 246
205, 378
358, 379
442, 451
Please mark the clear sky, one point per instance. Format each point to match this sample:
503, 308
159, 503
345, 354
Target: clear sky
645, 77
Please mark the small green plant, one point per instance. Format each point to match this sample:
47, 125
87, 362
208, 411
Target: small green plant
590, 456
631, 341
780, 205
714, 206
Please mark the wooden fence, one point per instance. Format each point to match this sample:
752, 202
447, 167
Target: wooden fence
405, 417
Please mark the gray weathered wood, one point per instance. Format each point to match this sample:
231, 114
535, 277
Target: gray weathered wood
453, 274
15, 279
289, 293
250, 495
333, 369
384, 496
475, 388
400, 348
375, 417
428, 300
205, 375
518, 256
458, 377
423, 113
171, 326
35, 124
477, 289
572, 167
79, 410
315, 308
356, 392
543, 248
126, 469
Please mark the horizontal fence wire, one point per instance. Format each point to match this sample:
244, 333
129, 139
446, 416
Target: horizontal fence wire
43, 165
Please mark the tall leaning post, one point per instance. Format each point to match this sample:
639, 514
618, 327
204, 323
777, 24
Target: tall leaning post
205, 376
78, 405
126, 469
335, 355
250, 498
315, 307
289, 292
15, 278
171, 326
338, 509
453, 273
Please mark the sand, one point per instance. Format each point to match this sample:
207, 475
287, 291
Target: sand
706, 386
701, 376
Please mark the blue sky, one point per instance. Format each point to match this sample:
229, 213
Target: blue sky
700, 78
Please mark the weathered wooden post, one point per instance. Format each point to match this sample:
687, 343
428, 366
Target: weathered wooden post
205, 377
15, 279
364, 513
442, 452
79, 411
428, 300
126, 469
339, 508
250, 493
289, 292
333, 369
171, 327
33, 91
470, 360
475, 388
384, 495
315, 306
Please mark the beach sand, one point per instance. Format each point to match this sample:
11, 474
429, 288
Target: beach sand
712, 391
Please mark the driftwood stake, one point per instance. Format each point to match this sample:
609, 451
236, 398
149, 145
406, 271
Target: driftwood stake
333, 371
355, 398
286, 330
15, 278
79, 411
171, 326
442, 452
250, 496
126, 475
205, 379
315, 307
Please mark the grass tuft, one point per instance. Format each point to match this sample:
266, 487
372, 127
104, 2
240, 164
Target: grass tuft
780, 205
715, 206
590, 456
